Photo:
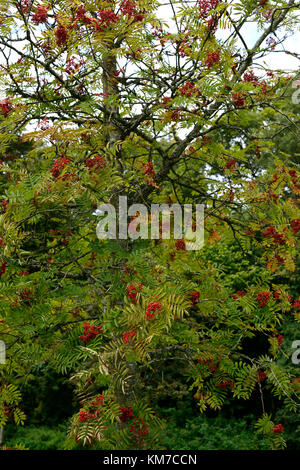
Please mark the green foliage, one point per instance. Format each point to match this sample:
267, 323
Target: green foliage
37, 438
203, 433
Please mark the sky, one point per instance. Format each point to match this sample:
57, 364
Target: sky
275, 60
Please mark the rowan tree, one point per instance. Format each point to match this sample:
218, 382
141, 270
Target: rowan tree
102, 99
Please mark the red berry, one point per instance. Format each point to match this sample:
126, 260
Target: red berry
152, 308
278, 428
263, 298
41, 15
180, 244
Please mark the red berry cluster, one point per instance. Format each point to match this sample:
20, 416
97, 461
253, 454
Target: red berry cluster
3, 267
272, 196
183, 45
134, 54
296, 382
212, 23
98, 402
296, 304
90, 332
105, 19
128, 335
76, 313
263, 298
206, 141
4, 205
212, 59
56, 232
81, 11
280, 339
132, 291
274, 179
166, 100
293, 174
261, 376
176, 115
61, 35
152, 308
129, 271
188, 90
277, 236
138, 430
5, 106
126, 414
117, 72
84, 416
263, 86
276, 294
41, 15
68, 176
225, 384
25, 5
158, 33
278, 428
80, 16
59, 166
194, 296
72, 66
6, 411
239, 100
64, 233
230, 164
155, 270
295, 224
148, 169
251, 78
205, 6
212, 366
129, 8
97, 162
258, 152
240, 293
180, 244
26, 296
93, 412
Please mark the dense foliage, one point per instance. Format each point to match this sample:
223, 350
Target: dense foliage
103, 99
